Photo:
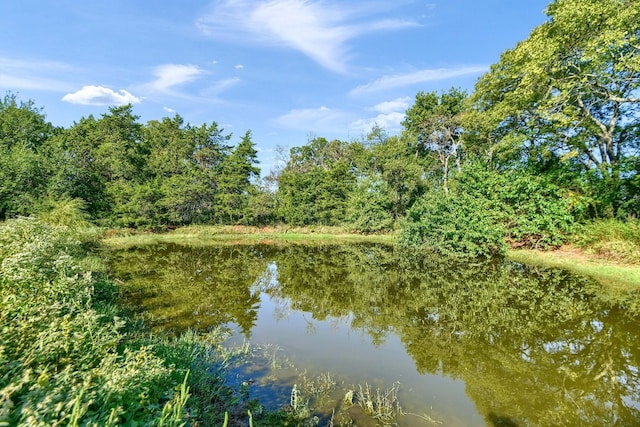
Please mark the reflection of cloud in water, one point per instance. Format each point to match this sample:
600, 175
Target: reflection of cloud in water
469, 342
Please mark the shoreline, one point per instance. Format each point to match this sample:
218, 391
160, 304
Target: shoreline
605, 271
616, 275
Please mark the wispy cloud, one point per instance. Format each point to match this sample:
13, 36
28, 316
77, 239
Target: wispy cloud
320, 30
220, 86
421, 76
169, 76
321, 119
100, 95
20, 74
390, 116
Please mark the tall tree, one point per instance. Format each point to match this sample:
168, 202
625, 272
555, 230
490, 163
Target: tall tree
434, 123
95, 158
24, 171
569, 93
314, 186
183, 170
391, 167
235, 185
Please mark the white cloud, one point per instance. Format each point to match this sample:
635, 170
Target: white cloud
321, 119
398, 104
319, 29
100, 95
169, 110
389, 122
239, 67
391, 114
421, 76
171, 75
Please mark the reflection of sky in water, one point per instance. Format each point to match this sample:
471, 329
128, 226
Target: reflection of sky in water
517, 345
331, 345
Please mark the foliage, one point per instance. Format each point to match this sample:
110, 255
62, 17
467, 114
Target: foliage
235, 183
534, 212
455, 225
23, 168
613, 239
368, 210
22, 123
65, 212
314, 186
486, 208
434, 125
60, 347
569, 93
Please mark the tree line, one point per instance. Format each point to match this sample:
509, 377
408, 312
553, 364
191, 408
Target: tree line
550, 137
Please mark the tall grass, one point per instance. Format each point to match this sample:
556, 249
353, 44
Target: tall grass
611, 239
62, 357
68, 357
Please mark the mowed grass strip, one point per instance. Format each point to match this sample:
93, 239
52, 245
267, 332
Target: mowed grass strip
231, 235
609, 273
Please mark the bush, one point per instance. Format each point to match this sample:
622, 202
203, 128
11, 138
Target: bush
368, 209
455, 225
487, 208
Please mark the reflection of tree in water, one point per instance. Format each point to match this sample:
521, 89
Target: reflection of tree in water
184, 287
534, 346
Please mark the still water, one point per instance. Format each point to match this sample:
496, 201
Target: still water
463, 344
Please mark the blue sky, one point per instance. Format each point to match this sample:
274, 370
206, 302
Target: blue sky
287, 70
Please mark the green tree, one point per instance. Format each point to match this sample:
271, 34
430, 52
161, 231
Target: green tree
95, 159
182, 172
315, 185
22, 123
570, 93
433, 124
236, 182
24, 170
391, 161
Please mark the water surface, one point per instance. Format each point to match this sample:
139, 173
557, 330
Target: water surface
491, 343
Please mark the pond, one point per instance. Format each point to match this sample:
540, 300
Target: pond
458, 343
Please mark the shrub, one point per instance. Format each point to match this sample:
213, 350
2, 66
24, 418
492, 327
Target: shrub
455, 225
368, 209
486, 208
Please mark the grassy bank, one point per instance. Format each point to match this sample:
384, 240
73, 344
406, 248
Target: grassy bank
609, 273
603, 251
232, 235
607, 250
70, 356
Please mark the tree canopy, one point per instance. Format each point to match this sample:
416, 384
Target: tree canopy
549, 137
569, 95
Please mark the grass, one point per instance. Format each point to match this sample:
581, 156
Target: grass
613, 268
606, 250
233, 235
607, 272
